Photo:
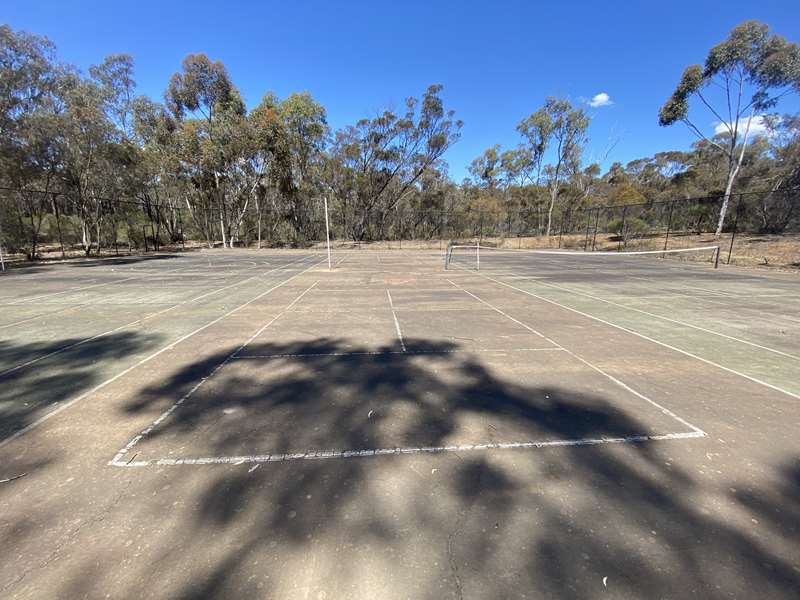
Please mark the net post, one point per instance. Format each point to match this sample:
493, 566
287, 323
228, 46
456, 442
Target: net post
716, 258
144, 237
328, 234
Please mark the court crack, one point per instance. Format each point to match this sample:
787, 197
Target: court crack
458, 592
67, 538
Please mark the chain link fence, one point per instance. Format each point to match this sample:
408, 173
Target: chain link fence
36, 223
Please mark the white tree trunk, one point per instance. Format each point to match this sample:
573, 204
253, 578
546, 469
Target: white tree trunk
553, 194
732, 173
86, 238
258, 212
222, 231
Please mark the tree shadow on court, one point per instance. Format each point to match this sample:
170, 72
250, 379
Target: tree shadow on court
28, 392
566, 522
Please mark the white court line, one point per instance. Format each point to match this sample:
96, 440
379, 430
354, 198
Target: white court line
396, 287
328, 454
129, 446
396, 322
733, 305
142, 274
41, 315
131, 324
118, 461
610, 377
64, 405
399, 271
26, 299
397, 352
649, 314
105, 304
361, 309
645, 337
75, 289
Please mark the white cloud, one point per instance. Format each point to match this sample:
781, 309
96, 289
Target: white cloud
758, 126
601, 99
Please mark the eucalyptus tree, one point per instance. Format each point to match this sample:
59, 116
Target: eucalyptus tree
87, 153
27, 78
775, 168
388, 154
560, 128
161, 188
743, 77
486, 169
28, 106
211, 135
283, 163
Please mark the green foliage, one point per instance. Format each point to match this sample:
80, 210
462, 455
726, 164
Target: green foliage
677, 107
203, 166
750, 56
754, 69
487, 168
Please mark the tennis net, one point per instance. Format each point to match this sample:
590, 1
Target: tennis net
483, 257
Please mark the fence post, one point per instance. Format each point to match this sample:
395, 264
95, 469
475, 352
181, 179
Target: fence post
733, 232
155, 240
401, 228
2, 260
144, 237
441, 228
588, 225
596, 221
180, 226
669, 225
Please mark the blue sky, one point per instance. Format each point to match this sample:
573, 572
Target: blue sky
498, 61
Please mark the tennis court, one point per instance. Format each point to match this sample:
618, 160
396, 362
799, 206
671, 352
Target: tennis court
519, 424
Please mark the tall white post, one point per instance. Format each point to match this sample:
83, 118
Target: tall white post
328, 234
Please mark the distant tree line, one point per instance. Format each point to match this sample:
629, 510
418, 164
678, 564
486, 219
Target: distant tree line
85, 161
